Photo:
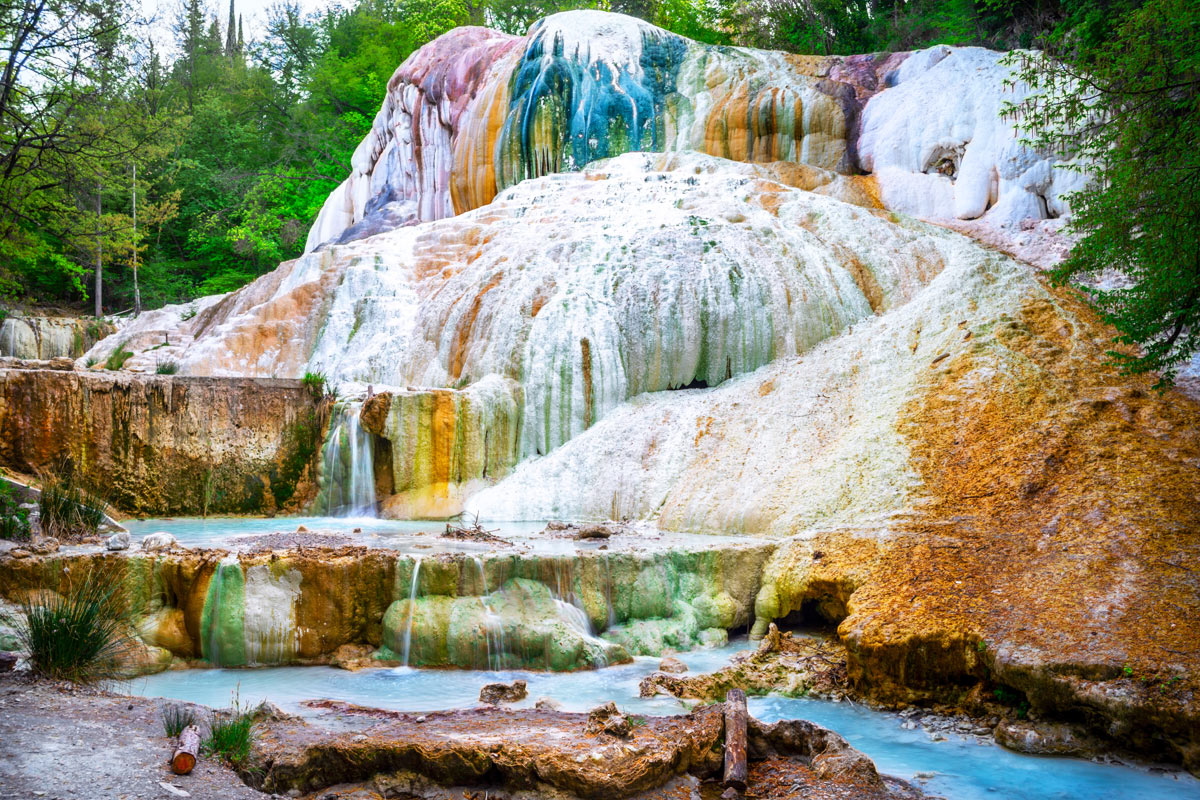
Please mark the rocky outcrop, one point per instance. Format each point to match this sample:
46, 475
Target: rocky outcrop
356, 607
44, 338
539, 750
499, 693
476, 111
163, 444
525, 749
831, 756
798, 666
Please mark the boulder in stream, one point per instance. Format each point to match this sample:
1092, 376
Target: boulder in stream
497, 693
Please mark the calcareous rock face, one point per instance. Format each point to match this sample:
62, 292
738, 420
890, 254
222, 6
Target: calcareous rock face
740, 328
477, 111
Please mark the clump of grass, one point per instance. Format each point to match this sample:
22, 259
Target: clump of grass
118, 357
68, 510
167, 368
176, 717
91, 362
230, 734
316, 383
14, 520
78, 635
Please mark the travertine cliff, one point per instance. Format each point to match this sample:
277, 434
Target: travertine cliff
163, 444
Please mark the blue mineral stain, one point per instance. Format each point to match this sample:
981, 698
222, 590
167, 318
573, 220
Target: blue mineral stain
567, 110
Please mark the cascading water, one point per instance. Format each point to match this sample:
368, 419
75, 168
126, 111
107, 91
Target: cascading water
222, 619
493, 624
412, 608
571, 611
347, 465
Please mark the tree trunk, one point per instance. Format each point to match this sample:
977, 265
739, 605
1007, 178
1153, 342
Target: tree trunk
735, 740
99, 257
137, 292
185, 754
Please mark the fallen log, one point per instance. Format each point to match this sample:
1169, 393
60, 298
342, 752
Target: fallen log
186, 752
735, 740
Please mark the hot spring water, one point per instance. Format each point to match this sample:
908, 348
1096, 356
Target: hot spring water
963, 768
958, 767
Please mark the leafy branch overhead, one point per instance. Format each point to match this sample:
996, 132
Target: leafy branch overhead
1126, 109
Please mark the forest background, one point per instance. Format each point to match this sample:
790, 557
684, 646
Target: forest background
232, 142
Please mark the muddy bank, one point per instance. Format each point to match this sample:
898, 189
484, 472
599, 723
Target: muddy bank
159, 444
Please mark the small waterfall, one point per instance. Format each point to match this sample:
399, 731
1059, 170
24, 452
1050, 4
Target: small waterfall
412, 607
347, 466
571, 611
494, 632
214, 627
224, 623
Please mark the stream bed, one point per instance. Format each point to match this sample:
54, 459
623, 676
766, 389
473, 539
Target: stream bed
959, 768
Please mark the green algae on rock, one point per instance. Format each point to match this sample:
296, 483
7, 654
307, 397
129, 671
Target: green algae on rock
500, 610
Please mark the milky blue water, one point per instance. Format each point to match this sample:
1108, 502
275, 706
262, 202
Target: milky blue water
962, 767
411, 536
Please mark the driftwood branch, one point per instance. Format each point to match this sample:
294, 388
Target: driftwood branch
735, 740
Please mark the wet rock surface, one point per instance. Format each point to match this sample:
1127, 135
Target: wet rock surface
783, 663
302, 604
608, 719
498, 693
672, 664
356, 752
511, 748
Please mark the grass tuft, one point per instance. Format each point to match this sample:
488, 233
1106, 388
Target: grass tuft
68, 510
316, 383
78, 635
176, 717
118, 357
167, 368
230, 734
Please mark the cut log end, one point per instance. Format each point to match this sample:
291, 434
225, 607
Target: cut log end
184, 759
182, 763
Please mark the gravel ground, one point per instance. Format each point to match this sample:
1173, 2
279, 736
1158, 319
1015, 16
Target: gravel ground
60, 743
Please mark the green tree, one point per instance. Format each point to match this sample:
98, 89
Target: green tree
1127, 110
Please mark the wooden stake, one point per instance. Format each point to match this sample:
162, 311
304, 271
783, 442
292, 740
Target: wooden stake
735, 740
185, 754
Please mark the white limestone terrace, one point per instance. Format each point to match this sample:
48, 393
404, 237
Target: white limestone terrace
941, 148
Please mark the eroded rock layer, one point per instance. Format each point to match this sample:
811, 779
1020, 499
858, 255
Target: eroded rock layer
499, 611
159, 444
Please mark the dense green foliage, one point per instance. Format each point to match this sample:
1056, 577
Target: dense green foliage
232, 144
79, 634
1127, 108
